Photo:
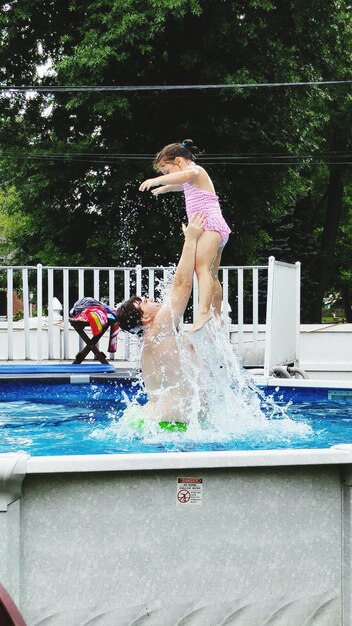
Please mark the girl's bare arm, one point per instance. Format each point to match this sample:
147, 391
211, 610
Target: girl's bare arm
175, 178
166, 189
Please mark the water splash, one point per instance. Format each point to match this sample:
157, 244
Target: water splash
221, 403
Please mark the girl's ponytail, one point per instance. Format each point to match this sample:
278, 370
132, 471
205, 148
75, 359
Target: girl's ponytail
189, 145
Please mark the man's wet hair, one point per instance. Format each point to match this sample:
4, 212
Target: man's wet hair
130, 316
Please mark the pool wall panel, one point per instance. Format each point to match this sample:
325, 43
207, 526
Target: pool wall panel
10, 546
264, 547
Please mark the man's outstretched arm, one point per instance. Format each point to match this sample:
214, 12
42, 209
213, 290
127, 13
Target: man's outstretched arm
183, 280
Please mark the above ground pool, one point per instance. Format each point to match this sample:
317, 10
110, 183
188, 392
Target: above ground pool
52, 418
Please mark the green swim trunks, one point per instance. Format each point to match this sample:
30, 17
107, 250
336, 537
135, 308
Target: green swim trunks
171, 427
180, 427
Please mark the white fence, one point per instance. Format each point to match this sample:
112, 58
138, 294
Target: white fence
251, 295
283, 314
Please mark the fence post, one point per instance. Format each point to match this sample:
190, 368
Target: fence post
10, 314
138, 280
298, 311
80, 295
66, 306
151, 279
25, 292
126, 295
240, 306
39, 312
111, 288
255, 296
96, 290
50, 313
269, 310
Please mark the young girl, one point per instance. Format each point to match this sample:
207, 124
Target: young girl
180, 173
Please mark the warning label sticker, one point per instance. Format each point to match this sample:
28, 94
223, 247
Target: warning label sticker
189, 491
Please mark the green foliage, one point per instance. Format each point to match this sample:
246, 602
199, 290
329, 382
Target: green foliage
14, 223
84, 207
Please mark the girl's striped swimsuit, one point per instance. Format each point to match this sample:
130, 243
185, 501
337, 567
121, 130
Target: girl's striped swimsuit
207, 202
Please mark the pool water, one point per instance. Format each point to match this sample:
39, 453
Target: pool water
63, 419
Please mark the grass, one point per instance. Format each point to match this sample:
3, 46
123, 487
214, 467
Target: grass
329, 319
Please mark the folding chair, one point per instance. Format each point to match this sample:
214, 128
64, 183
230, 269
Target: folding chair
9, 613
89, 341
91, 312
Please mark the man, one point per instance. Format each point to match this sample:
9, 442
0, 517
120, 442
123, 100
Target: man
168, 361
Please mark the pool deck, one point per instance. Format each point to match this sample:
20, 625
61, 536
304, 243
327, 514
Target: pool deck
122, 370
129, 369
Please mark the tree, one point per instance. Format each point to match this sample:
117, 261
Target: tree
84, 206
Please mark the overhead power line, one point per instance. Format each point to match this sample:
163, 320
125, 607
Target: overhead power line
249, 159
208, 155
125, 88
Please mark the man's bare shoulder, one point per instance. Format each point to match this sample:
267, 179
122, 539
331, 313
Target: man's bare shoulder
163, 320
164, 314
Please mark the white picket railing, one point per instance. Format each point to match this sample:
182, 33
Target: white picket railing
50, 337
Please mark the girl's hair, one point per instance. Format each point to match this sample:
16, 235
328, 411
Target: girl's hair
185, 149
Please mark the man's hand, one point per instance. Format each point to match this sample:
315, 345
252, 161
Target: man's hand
194, 229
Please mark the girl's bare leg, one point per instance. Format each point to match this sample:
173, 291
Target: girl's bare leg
217, 289
207, 249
